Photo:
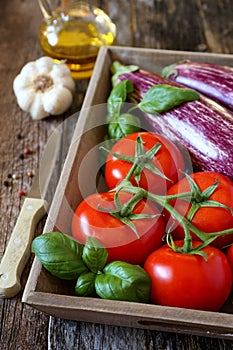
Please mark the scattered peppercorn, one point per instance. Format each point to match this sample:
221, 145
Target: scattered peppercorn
21, 156
15, 176
21, 193
19, 136
6, 183
9, 176
30, 174
27, 151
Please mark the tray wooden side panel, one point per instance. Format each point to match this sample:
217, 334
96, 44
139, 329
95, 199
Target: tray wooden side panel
53, 296
133, 315
155, 60
68, 195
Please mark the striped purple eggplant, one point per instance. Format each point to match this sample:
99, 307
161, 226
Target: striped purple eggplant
212, 80
203, 127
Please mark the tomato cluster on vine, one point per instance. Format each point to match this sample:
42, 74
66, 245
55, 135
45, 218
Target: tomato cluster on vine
176, 225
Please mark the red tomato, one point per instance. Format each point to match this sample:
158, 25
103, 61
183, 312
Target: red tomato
119, 239
168, 160
187, 280
207, 219
230, 256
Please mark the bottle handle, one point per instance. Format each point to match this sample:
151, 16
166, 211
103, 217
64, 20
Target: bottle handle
45, 8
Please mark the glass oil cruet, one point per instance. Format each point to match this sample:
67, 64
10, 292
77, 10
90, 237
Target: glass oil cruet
74, 31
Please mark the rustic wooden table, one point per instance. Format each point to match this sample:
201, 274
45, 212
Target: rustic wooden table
196, 25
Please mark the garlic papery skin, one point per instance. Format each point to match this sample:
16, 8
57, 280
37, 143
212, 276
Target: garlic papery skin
44, 88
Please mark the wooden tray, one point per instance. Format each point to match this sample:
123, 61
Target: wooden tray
53, 296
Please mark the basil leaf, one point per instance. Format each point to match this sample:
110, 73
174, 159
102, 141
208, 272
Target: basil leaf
124, 125
123, 281
114, 109
117, 96
161, 98
95, 255
118, 69
120, 91
85, 285
59, 254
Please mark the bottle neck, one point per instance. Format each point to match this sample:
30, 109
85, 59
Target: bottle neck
66, 4
47, 9
81, 5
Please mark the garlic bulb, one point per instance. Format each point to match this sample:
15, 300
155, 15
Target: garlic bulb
44, 88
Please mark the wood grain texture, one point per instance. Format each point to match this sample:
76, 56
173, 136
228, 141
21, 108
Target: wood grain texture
196, 25
17, 45
21, 327
79, 335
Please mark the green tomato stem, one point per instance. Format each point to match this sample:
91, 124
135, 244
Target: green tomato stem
163, 201
195, 197
186, 224
131, 171
129, 206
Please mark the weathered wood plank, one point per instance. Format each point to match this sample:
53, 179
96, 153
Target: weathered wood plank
88, 336
202, 25
167, 25
17, 45
21, 326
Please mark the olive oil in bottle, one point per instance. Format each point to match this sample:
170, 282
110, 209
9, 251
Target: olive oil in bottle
74, 32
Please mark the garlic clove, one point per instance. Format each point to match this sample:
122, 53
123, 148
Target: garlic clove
61, 75
62, 70
44, 64
37, 110
22, 82
56, 101
29, 70
25, 98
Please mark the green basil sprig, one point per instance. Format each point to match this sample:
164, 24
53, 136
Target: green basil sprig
120, 124
59, 254
67, 259
158, 99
